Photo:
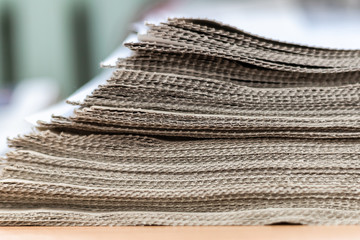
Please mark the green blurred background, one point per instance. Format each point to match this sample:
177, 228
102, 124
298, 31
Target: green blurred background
63, 40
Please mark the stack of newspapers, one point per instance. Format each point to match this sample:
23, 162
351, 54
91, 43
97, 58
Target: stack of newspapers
203, 124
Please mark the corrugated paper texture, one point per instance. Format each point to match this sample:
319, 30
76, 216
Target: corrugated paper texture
203, 125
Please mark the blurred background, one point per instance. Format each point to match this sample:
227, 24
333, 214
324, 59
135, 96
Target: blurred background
49, 48
63, 40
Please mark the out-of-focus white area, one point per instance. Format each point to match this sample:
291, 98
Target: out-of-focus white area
64, 109
324, 23
29, 96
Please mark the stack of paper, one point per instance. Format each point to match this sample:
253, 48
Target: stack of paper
203, 125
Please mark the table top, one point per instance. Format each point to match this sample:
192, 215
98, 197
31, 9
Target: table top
175, 233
